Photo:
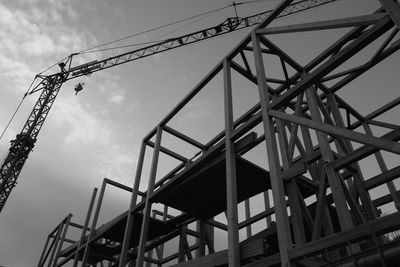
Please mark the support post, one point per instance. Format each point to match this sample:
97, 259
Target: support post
132, 205
42, 256
231, 183
56, 240
85, 226
147, 209
94, 222
327, 156
182, 240
64, 233
247, 214
382, 165
368, 207
267, 205
295, 209
202, 239
150, 253
278, 192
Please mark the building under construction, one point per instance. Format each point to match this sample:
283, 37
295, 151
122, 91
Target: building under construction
318, 209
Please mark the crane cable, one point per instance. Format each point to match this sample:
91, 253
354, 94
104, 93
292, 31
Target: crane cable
55, 64
90, 50
16, 110
153, 29
155, 40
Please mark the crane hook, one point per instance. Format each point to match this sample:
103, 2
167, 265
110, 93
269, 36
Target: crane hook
79, 87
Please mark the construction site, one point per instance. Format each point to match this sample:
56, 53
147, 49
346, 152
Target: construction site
316, 203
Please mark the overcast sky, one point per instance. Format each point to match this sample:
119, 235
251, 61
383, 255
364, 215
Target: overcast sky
98, 133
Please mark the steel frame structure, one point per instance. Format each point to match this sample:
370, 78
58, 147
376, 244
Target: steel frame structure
50, 85
322, 213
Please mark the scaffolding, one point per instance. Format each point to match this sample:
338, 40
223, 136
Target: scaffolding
321, 212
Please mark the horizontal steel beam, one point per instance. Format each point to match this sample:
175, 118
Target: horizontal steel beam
378, 226
169, 152
380, 143
324, 25
364, 151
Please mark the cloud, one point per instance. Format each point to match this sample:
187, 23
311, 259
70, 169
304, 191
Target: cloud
83, 127
32, 38
93, 138
116, 98
16, 75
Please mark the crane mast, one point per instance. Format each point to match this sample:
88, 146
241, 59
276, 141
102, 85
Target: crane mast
50, 85
24, 142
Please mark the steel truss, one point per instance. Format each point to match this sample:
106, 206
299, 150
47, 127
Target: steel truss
322, 212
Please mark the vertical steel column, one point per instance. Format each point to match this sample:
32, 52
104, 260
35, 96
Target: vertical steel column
231, 183
44, 251
150, 253
295, 208
309, 149
210, 238
197, 252
202, 239
326, 152
56, 239
147, 209
160, 249
368, 206
182, 240
322, 219
267, 205
85, 226
382, 165
94, 222
277, 186
247, 214
64, 233
132, 205
206, 237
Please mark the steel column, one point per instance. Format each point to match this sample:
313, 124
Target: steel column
148, 204
85, 227
231, 184
132, 205
278, 192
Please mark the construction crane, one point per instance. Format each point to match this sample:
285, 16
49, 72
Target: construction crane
50, 85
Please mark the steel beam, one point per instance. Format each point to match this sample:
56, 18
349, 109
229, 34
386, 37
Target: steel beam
148, 204
392, 7
380, 143
62, 239
285, 241
324, 25
231, 183
367, 37
85, 228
